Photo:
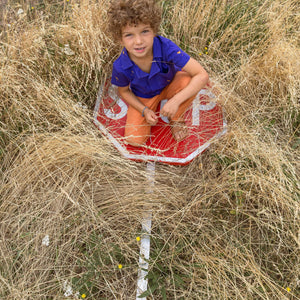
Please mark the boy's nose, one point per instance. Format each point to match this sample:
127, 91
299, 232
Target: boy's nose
138, 40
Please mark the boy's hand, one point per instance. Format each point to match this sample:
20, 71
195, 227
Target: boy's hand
150, 116
169, 109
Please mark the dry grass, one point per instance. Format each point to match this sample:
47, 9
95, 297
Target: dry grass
224, 227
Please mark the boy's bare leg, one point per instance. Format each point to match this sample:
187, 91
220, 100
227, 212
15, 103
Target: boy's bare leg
179, 130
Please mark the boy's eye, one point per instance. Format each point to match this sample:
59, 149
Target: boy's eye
128, 34
145, 31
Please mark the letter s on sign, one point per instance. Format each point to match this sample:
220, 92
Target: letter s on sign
114, 95
110, 114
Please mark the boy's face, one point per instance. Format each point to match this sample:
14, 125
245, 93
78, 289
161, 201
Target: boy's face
138, 40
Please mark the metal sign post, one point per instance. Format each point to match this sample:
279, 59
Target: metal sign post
142, 281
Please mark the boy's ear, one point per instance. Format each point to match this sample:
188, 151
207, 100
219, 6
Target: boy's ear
120, 40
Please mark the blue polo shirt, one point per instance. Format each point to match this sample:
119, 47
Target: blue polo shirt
168, 59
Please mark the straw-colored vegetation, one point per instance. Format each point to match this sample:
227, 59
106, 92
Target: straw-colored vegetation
227, 226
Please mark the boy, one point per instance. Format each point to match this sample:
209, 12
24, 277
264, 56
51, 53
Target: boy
149, 69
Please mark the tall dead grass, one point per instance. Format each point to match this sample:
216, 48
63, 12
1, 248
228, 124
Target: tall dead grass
224, 227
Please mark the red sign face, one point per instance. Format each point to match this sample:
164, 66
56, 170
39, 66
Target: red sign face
205, 121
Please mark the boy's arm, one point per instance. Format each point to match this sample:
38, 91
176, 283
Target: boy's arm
127, 95
198, 82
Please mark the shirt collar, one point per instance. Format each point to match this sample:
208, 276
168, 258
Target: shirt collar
128, 64
157, 51
125, 60
157, 57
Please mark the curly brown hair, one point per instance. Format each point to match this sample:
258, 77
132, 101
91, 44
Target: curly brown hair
132, 12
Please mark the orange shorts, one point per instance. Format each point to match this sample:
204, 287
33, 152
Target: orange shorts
137, 130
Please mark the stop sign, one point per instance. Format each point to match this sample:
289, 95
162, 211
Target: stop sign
205, 121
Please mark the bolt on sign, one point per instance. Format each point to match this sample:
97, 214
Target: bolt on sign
204, 119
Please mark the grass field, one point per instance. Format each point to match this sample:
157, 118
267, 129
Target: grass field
227, 226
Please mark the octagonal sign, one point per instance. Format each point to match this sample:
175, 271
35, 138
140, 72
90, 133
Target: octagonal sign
204, 119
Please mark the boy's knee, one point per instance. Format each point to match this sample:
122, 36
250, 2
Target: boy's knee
137, 135
137, 141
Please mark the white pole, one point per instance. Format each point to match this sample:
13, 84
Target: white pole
142, 282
